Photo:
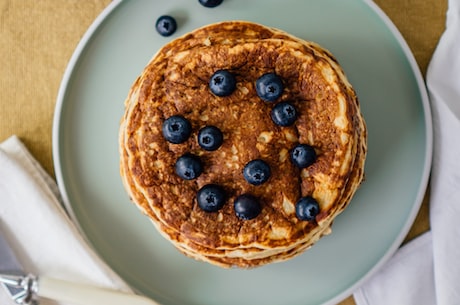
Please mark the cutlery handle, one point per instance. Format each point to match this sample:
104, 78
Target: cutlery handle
81, 294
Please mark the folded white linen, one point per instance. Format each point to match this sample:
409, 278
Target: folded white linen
443, 80
427, 270
407, 278
33, 221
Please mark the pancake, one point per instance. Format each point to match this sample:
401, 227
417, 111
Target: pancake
176, 82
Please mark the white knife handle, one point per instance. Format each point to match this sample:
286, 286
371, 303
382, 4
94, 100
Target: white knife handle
80, 294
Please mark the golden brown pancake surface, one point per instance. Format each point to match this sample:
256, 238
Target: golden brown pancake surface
176, 82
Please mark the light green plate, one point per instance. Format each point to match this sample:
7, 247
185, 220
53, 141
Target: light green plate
394, 102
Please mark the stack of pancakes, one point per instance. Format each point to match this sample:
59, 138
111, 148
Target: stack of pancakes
175, 82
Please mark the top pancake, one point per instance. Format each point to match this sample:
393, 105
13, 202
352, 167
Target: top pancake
175, 82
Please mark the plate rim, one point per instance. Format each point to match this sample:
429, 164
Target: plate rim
62, 91
422, 90
397, 243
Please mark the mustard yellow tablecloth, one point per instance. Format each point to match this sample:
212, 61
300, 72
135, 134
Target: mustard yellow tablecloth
37, 39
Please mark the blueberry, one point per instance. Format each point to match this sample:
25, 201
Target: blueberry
306, 208
188, 167
210, 3
222, 83
256, 172
211, 198
247, 207
210, 138
176, 129
303, 155
284, 114
166, 25
269, 87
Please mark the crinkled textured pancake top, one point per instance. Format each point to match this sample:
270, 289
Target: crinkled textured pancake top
175, 82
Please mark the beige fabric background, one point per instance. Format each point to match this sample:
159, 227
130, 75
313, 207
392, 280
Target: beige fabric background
37, 39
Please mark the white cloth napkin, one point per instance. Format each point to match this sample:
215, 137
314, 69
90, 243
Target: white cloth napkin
427, 270
34, 222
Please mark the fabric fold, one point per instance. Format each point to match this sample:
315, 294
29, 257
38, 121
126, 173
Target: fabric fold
38, 228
